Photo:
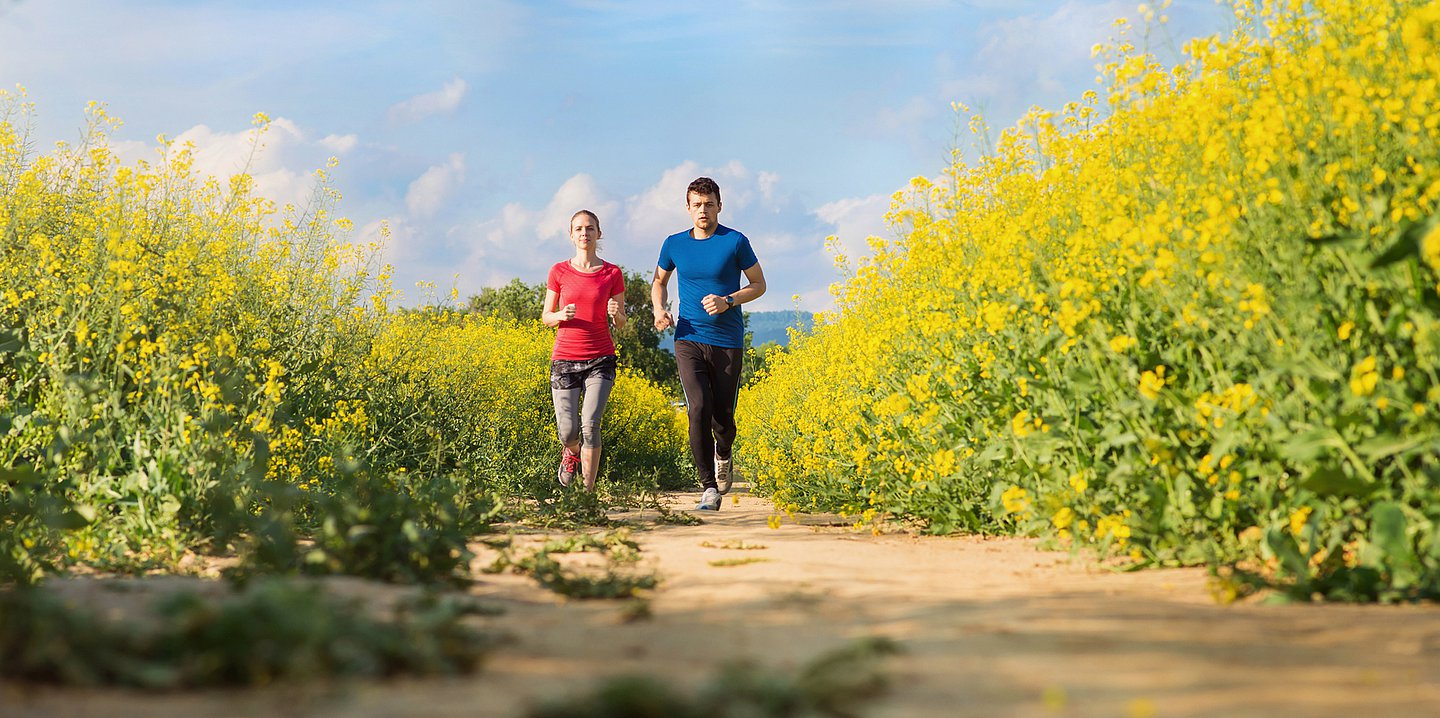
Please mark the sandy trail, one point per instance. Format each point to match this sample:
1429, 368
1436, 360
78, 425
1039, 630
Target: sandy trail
989, 627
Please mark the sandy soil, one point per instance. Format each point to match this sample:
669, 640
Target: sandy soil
989, 627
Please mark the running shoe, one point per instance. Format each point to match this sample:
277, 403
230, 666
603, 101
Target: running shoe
709, 501
569, 464
724, 473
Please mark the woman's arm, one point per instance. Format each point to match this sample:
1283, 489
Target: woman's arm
553, 316
615, 307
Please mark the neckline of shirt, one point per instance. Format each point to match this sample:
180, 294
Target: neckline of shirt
571, 264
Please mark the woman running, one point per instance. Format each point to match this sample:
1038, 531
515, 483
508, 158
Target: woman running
581, 293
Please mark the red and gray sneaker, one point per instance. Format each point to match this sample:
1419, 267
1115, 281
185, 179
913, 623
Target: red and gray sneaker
569, 464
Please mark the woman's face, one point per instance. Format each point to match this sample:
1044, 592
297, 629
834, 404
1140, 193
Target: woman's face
584, 232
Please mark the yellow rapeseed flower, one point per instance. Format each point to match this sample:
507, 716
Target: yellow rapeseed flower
1015, 500
1151, 382
1364, 377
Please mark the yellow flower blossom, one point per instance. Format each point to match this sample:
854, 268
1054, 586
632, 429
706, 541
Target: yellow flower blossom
1151, 382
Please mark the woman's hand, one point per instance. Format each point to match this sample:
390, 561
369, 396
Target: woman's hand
615, 309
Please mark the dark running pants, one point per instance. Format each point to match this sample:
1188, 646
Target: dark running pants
710, 376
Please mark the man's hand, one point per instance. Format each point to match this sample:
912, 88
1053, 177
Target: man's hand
714, 304
663, 320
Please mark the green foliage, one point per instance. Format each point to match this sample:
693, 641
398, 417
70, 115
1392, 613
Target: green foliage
1143, 326
639, 342
395, 528
184, 367
835, 685
613, 581
33, 512
273, 631
516, 301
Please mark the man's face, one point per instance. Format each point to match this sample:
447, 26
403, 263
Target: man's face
704, 210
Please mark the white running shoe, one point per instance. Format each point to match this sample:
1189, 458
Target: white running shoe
724, 473
709, 501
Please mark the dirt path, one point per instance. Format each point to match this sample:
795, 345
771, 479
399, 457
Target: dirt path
989, 627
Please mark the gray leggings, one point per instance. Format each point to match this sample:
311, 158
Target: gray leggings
568, 380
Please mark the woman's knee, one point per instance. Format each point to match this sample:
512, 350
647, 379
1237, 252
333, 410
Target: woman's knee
568, 434
590, 436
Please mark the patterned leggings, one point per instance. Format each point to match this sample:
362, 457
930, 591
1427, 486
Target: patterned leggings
574, 419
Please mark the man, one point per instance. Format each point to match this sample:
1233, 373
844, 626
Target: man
709, 332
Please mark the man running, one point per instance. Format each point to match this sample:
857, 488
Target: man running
709, 332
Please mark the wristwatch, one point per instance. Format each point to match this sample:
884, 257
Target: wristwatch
729, 301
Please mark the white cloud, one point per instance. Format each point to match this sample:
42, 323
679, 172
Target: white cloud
396, 237
339, 144
659, 210
523, 242
419, 107
524, 239
768, 182
855, 220
1031, 60
428, 193
281, 158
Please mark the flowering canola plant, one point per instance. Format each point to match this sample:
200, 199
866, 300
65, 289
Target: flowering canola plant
171, 345
1189, 319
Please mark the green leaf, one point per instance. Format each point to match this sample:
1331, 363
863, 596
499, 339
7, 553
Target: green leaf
11, 342
1306, 447
1405, 244
1283, 545
991, 453
66, 521
1124, 439
1387, 537
1387, 445
1331, 480
1333, 238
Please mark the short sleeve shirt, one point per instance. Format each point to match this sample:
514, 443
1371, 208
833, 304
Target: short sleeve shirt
587, 336
708, 266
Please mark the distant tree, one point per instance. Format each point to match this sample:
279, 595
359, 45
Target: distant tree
637, 345
638, 342
516, 300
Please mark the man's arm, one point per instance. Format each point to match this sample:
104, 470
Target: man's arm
715, 303
660, 299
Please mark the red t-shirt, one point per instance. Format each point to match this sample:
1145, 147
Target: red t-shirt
587, 336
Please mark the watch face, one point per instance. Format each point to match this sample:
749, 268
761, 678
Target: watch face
730, 301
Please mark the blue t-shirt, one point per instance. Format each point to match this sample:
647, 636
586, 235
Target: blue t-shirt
708, 266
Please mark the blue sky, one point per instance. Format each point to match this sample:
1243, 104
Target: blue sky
475, 129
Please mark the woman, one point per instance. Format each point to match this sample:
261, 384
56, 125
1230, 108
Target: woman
581, 293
